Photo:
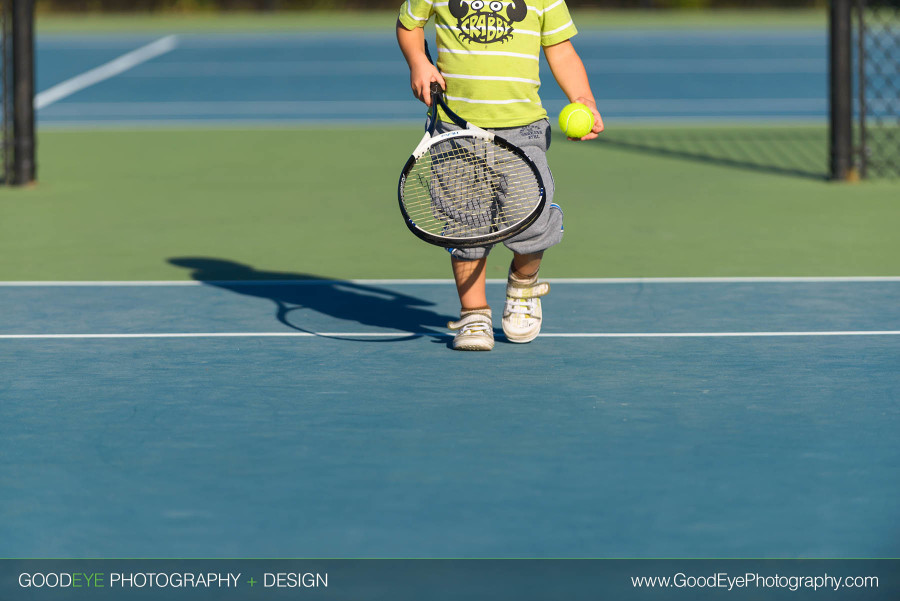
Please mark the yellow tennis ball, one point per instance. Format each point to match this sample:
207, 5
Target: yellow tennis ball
576, 120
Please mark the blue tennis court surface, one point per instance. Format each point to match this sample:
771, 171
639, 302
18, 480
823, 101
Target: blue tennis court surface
674, 418
318, 77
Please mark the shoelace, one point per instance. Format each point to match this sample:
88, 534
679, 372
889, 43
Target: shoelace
479, 328
526, 306
472, 325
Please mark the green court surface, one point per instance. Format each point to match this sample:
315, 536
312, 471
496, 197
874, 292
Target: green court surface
645, 201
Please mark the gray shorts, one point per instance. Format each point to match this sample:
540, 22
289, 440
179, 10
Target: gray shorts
547, 230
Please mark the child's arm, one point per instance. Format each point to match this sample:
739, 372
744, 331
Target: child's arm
572, 78
421, 71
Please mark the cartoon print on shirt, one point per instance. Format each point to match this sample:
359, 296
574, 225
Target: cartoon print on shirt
487, 24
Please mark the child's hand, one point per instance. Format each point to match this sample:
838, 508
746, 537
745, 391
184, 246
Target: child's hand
420, 78
598, 120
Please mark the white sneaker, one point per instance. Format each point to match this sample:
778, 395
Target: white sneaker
474, 331
522, 313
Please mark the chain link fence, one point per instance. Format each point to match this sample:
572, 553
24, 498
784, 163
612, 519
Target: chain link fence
878, 87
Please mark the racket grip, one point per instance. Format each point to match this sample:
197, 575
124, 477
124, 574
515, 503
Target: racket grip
436, 90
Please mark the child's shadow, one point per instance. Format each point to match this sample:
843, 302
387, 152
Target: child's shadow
296, 293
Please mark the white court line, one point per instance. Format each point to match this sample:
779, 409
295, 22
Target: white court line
728, 280
404, 282
395, 334
105, 71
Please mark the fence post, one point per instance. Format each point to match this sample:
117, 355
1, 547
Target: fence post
841, 91
23, 91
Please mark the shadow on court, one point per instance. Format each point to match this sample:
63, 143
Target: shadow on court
789, 151
296, 294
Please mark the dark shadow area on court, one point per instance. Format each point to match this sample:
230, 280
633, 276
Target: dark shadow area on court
295, 294
789, 151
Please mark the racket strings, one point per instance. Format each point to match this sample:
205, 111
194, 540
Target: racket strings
470, 187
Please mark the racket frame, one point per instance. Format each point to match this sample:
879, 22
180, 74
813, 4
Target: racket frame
472, 131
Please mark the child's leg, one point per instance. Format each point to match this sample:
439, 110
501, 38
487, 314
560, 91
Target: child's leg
522, 313
470, 282
474, 330
526, 266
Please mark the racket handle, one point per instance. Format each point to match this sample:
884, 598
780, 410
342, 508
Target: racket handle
437, 92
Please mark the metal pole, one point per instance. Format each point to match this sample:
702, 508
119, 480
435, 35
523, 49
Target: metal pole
6, 85
23, 91
841, 88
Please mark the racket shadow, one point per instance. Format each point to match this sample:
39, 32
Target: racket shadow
297, 295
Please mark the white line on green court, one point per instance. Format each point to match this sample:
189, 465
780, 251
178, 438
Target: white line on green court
407, 334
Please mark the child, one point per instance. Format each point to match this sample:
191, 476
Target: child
488, 64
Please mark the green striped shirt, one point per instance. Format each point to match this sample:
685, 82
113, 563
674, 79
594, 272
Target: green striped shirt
489, 53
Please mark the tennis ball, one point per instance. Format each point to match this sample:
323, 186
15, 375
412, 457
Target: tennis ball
576, 120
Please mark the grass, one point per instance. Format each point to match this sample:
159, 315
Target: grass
380, 20
647, 201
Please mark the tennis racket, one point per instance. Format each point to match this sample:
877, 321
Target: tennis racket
468, 187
